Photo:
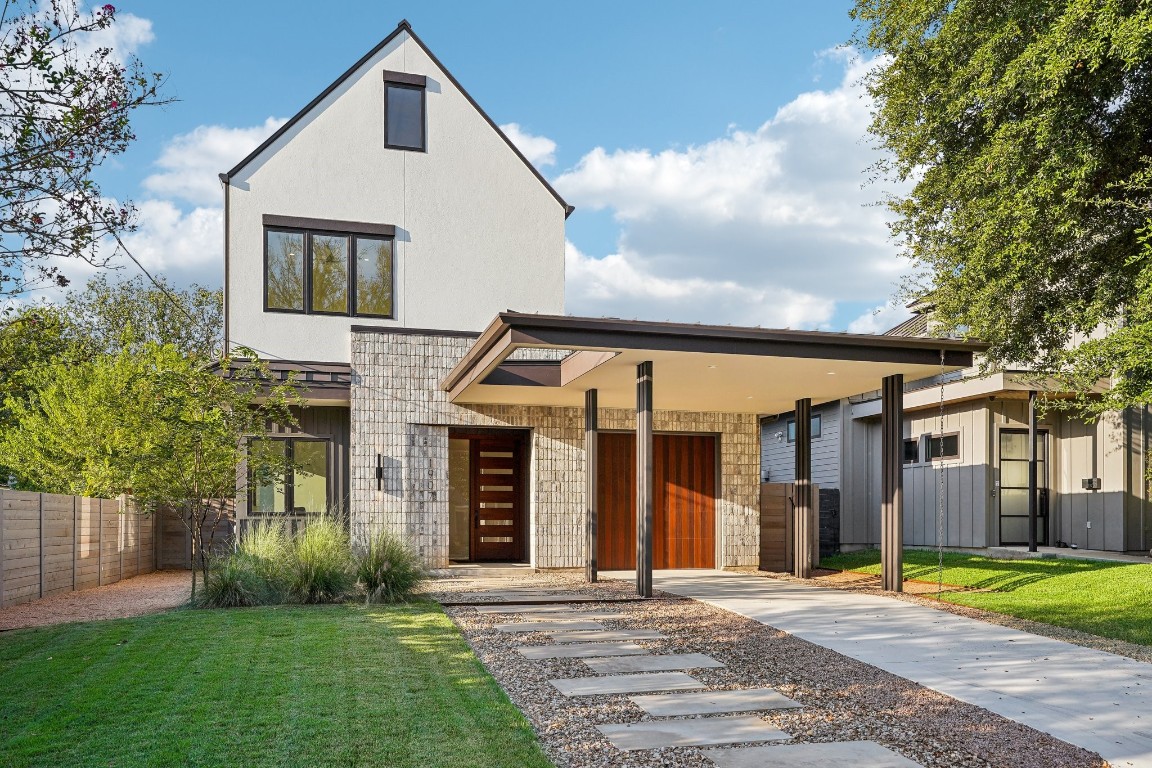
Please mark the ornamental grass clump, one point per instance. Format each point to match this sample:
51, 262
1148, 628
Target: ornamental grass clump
388, 570
266, 548
232, 581
320, 567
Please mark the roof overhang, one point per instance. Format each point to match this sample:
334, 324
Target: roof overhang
695, 367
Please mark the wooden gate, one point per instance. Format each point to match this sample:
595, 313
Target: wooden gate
683, 504
777, 508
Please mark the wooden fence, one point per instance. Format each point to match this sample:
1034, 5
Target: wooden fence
51, 543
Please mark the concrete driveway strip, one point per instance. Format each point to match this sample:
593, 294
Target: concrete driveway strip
1089, 698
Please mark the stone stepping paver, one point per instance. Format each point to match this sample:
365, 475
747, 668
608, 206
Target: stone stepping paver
557, 597
581, 650
608, 635
858, 754
549, 626
692, 732
653, 663
570, 616
713, 702
524, 608
609, 685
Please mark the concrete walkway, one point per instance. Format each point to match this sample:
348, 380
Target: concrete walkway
1089, 698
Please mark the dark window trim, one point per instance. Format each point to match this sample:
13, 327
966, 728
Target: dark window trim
289, 474
423, 115
928, 457
368, 231
916, 442
405, 78
353, 276
350, 276
817, 423
306, 277
272, 221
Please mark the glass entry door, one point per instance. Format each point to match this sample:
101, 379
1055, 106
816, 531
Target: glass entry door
1014, 486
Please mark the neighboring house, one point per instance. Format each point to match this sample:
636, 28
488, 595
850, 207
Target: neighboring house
1092, 488
375, 246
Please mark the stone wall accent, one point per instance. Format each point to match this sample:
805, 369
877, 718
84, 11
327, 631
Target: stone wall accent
400, 413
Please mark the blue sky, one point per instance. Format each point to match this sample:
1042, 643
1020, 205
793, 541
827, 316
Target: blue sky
715, 153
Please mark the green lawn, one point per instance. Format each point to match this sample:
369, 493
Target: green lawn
283, 686
1106, 599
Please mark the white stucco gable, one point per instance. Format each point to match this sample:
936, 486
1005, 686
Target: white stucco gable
477, 229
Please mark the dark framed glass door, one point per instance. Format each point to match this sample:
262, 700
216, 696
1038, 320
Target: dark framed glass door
1014, 487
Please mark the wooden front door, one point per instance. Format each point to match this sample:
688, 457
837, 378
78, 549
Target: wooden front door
497, 498
683, 504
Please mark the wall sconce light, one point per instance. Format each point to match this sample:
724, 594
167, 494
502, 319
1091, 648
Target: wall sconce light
379, 472
779, 437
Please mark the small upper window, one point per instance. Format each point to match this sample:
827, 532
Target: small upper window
945, 446
815, 428
404, 111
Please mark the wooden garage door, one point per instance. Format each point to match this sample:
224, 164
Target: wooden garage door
684, 501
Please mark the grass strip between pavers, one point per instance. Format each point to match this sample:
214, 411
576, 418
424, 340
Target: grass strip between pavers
333, 685
1108, 599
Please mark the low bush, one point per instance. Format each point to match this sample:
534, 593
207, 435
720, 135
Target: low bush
267, 549
320, 566
233, 581
388, 570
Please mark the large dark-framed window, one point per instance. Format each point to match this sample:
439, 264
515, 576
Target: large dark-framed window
301, 478
405, 111
324, 267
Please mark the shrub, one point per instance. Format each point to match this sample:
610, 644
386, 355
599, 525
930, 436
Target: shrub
320, 568
232, 582
267, 547
388, 570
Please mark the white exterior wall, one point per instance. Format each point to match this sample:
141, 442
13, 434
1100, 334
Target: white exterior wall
399, 411
476, 232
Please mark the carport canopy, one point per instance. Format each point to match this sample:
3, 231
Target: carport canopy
553, 360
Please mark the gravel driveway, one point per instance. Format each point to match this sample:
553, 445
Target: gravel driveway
149, 593
842, 699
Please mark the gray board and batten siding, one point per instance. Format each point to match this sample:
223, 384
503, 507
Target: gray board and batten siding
778, 462
1114, 450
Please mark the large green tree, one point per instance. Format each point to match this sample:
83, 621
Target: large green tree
1024, 129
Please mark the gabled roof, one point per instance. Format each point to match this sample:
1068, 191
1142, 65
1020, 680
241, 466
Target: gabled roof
403, 26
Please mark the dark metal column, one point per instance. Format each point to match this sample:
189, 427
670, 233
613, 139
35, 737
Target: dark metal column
802, 494
892, 484
644, 479
591, 477
1032, 471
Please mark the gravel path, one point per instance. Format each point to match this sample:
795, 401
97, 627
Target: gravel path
923, 593
843, 699
149, 593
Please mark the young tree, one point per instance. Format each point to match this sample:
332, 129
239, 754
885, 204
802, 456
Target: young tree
152, 423
65, 108
1026, 129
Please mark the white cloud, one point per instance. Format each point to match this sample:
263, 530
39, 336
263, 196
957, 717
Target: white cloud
880, 319
781, 210
622, 285
539, 150
191, 162
125, 36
